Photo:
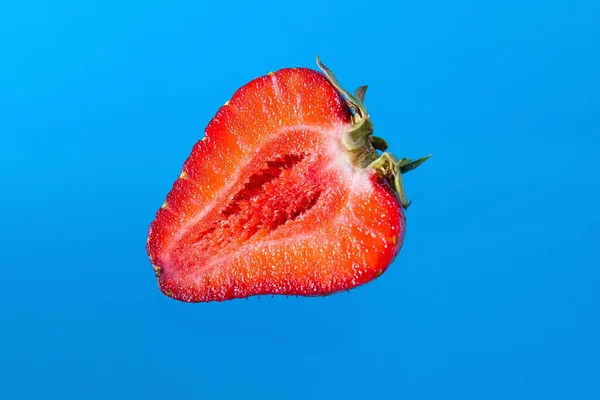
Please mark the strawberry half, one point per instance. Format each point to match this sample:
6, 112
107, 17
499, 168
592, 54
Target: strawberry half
286, 194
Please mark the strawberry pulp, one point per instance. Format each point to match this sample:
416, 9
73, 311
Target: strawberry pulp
287, 194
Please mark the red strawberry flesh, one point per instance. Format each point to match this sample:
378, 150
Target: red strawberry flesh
272, 202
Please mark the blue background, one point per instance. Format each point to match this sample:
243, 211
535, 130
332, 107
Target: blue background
494, 295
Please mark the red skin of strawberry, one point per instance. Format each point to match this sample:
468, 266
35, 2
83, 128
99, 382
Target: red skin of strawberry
274, 199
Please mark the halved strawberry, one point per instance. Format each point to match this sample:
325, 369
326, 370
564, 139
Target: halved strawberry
286, 194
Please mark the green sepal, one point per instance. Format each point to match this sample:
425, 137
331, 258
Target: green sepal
362, 146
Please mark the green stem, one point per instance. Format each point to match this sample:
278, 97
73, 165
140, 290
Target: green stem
362, 147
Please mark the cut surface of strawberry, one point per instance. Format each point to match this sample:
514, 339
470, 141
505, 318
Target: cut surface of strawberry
288, 193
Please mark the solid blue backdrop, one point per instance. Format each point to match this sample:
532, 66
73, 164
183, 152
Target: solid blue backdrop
494, 295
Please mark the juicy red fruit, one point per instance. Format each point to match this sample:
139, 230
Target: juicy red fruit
288, 193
